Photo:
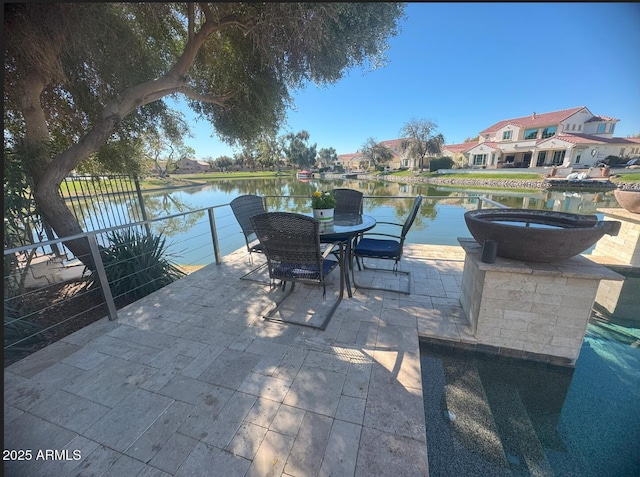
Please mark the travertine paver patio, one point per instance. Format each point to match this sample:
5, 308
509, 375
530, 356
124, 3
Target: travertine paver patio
191, 381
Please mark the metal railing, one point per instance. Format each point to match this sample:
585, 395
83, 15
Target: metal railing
209, 225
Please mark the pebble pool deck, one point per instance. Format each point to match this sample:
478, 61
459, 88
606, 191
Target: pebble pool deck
191, 381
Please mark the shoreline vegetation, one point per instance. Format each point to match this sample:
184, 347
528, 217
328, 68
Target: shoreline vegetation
480, 180
524, 180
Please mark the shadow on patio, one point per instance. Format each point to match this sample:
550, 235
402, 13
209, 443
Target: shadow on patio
191, 378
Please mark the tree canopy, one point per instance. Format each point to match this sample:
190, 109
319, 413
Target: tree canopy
375, 152
87, 80
421, 140
298, 150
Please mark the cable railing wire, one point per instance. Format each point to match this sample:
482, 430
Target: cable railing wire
226, 239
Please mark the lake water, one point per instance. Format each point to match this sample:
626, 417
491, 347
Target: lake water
439, 222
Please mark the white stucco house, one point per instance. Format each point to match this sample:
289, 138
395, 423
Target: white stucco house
564, 138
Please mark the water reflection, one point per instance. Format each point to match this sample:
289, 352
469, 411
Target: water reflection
439, 222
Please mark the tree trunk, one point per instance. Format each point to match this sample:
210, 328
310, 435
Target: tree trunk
38, 163
48, 172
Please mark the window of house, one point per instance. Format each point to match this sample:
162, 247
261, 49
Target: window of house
531, 134
558, 157
510, 159
578, 157
542, 157
612, 126
622, 152
579, 127
506, 135
601, 128
479, 159
573, 127
549, 131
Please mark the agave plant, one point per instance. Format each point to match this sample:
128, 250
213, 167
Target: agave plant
136, 264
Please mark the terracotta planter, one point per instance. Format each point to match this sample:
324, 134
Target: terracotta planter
628, 199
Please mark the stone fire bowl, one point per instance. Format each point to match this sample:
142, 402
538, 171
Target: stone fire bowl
549, 235
628, 199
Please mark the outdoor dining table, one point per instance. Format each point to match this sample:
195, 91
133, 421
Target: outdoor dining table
344, 228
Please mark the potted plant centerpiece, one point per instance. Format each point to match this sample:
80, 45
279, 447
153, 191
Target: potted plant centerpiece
323, 204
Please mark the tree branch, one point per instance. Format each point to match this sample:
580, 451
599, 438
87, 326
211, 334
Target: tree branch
207, 98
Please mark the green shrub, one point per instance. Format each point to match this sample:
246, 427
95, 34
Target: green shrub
614, 160
21, 337
441, 163
136, 265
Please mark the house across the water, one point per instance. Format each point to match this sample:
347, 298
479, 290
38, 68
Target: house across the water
568, 138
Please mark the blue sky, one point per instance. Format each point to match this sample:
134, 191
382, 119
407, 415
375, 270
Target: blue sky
466, 66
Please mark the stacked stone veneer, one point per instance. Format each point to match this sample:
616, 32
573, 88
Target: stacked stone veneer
624, 248
620, 300
537, 311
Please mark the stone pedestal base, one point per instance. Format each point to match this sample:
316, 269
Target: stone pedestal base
624, 248
540, 310
620, 302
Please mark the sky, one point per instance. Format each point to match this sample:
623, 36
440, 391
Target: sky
466, 66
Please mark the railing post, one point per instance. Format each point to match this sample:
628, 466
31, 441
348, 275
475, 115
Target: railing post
214, 235
479, 203
143, 211
102, 276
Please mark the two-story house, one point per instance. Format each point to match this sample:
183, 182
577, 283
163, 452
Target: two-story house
563, 138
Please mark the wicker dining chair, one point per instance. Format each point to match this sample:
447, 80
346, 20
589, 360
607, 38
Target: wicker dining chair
244, 207
348, 201
385, 249
291, 243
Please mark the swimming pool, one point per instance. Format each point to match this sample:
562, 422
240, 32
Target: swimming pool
497, 416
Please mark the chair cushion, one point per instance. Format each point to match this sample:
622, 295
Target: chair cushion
299, 271
376, 248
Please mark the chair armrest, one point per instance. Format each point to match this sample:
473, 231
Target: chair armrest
389, 223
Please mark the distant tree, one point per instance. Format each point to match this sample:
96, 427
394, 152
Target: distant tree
223, 162
326, 156
421, 140
472, 139
87, 79
165, 147
269, 150
377, 154
298, 150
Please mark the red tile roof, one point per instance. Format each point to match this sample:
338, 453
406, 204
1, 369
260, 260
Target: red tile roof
463, 147
491, 144
589, 139
601, 118
348, 157
535, 120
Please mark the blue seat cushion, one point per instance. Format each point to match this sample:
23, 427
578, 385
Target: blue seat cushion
376, 248
303, 271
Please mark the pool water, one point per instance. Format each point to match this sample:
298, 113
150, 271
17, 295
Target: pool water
489, 415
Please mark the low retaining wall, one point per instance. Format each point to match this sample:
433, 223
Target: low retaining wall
500, 183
